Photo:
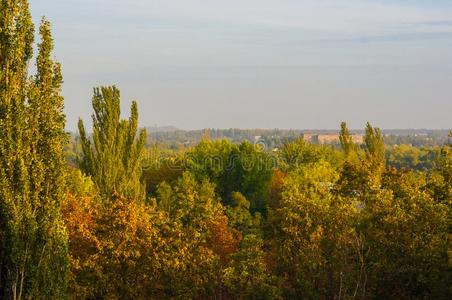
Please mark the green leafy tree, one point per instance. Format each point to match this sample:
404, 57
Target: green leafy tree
203, 240
239, 214
407, 240
440, 178
255, 171
211, 160
375, 148
248, 276
298, 153
409, 157
244, 168
347, 144
112, 157
161, 165
33, 239
361, 174
313, 236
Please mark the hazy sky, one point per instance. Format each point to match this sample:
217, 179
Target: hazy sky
259, 63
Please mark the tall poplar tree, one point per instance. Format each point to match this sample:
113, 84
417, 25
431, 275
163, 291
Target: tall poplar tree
46, 131
112, 157
375, 148
16, 38
33, 239
347, 144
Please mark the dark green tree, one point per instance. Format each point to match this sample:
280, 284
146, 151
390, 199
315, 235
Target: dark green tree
112, 156
239, 214
243, 168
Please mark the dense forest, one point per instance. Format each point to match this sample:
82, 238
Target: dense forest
113, 214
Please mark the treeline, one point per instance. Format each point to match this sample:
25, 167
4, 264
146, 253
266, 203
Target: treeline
419, 157
219, 220
275, 138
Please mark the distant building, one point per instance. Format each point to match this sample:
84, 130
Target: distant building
307, 137
330, 138
327, 138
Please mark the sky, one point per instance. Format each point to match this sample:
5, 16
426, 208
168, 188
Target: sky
258, 63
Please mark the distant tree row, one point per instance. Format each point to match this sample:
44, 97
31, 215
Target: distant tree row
274, 138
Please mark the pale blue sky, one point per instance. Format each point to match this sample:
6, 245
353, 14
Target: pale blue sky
259, 63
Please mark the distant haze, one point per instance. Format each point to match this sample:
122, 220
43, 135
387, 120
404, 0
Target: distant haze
259, 63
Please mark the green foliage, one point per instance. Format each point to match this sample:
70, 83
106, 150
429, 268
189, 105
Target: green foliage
253, 173
375, 148
112, 158
439, 182
203, 237
409, 157
346, 141
248, 276
361, 174
161, 165
313, 236
407, 240
295, 154
33, 238
245, 168
239, 214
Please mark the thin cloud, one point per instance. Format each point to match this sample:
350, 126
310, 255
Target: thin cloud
171, 53
327, 16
